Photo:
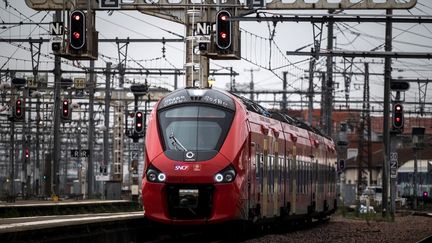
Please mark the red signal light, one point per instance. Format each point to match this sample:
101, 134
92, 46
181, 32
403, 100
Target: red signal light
76, 35
76, 17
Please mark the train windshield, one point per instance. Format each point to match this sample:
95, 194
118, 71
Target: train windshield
196, 127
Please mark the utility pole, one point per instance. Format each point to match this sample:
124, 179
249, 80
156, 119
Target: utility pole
55, 180
329, 82
90, 142
364, 148
251, 84
386, 132
107, 115
12, 156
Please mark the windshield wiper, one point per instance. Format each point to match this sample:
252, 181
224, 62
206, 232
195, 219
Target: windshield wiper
176, 142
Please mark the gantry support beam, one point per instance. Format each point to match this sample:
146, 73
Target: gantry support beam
168, 5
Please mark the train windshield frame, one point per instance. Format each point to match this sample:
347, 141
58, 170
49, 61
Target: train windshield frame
194, 127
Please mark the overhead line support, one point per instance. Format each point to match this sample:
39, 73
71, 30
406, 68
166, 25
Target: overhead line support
364, 54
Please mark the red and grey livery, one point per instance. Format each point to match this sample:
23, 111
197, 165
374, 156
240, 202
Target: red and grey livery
213, 157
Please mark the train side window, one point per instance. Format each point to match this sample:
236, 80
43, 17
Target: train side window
261, 171
306, 176
297, 175
309, 176
321, 183
289, 172
302, 176
257, 166
281, 174
272, 172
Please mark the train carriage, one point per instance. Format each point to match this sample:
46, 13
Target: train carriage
213, 157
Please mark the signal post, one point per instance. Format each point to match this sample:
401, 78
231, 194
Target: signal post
397, 128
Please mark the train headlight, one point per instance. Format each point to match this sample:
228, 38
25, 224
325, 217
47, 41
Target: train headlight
226, 175
229, 177
161, 177
151, 176
219, 177
155, 175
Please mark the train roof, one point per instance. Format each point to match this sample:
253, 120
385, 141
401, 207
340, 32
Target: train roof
256, 108
196, 95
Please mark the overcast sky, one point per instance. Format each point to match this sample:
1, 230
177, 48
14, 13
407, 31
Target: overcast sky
255, 48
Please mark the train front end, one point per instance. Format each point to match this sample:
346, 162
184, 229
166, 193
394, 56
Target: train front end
187, 180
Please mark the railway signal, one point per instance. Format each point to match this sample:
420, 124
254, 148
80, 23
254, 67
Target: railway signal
27, 153
77, 33
139, 122
398, 117
66, 110
223, 30
19, 110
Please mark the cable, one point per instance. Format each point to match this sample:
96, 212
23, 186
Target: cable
156, 26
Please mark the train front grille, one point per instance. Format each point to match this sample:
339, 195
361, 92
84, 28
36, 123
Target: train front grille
190, 201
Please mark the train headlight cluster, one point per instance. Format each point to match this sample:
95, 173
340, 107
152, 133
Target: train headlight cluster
226, 175
155, 175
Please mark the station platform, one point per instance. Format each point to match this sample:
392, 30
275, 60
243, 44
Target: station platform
29, 208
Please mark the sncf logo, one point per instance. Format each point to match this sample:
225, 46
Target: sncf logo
181, 167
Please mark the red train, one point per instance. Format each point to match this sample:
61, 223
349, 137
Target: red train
212, 157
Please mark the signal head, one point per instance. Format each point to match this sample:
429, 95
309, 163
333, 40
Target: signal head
398, 117
66, 109
77, 34
19, 112
139, 122
223, 30
27, 153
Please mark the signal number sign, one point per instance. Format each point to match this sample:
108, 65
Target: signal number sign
109, 4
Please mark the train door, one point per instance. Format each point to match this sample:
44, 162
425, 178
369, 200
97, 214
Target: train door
278, 149
265, 184
287, 186
293, 179
252, 180
315, 180
270, 185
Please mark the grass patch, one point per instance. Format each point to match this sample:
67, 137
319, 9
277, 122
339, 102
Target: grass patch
368, 217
